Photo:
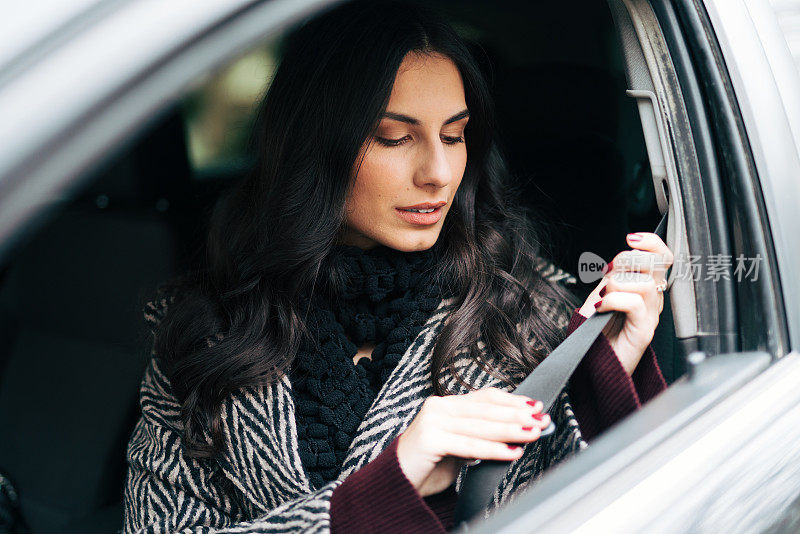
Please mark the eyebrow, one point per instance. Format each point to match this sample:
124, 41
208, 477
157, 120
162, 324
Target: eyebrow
411, 120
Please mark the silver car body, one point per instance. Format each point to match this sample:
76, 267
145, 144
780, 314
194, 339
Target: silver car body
718, 452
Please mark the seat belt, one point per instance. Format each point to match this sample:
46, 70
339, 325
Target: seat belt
545, 383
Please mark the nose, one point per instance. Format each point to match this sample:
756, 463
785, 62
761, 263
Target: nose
434, 168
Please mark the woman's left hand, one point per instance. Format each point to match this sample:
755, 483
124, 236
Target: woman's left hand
631, 286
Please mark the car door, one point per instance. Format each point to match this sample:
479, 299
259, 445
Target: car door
716, 452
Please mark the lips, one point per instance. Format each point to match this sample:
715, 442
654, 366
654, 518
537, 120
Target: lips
420, 218
424, 206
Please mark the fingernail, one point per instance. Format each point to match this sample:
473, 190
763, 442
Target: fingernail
598, 303
610, 266
603, 291
513, 447
538, 416
527, 428
532, 403
634, 237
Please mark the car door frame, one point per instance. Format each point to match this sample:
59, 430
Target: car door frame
42, 163
71, 107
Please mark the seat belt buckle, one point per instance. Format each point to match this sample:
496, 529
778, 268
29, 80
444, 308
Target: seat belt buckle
549, 430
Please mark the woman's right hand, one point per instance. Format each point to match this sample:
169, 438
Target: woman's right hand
448, 431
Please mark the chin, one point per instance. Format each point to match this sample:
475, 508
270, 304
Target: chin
414, 241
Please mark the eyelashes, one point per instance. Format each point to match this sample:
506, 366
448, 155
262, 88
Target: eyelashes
448, 140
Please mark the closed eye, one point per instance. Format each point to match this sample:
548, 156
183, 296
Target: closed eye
391, 142
447, 139
452, 140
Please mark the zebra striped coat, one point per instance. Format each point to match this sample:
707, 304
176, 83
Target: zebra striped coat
259, 484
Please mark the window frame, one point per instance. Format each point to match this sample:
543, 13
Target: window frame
42, 163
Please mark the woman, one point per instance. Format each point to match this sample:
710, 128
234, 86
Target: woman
371, 295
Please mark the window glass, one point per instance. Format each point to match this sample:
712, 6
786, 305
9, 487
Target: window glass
219, 115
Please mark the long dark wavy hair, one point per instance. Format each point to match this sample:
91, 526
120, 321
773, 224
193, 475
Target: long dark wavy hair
236, 321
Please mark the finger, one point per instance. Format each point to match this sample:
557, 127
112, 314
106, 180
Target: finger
650, 242
634, 282
504, 398
638, 261
481, 449
634, 308
460, 406
494, 431
597, 292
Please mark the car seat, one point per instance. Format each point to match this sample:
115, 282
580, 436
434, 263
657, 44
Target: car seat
74, 354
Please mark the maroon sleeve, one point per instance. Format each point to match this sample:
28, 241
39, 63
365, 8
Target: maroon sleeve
443, 505
601, 390
379, 498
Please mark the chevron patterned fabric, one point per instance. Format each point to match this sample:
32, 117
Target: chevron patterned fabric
259, 484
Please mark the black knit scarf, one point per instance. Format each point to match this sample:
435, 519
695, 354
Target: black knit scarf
388, 296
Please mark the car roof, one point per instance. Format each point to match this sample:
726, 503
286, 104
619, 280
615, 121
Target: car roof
31, 25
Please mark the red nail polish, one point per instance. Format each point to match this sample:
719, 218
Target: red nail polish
634, 237
598, 303
603, 291
532, 402
538, 416
513, 447
527, 428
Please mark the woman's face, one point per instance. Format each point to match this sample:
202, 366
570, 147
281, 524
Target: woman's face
417, 156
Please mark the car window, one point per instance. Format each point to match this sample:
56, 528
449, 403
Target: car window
218, 116
140, 217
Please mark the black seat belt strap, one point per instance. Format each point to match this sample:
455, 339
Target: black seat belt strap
545, 383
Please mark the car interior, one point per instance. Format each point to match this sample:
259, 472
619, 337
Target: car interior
71, 294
